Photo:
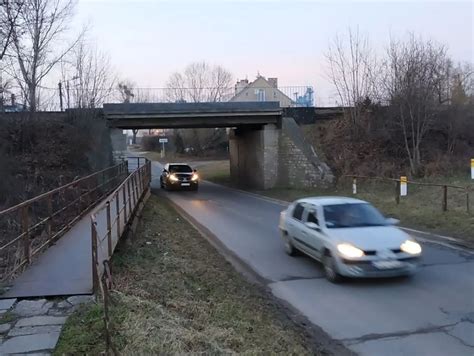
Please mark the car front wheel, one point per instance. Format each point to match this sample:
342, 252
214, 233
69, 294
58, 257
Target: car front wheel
330, 269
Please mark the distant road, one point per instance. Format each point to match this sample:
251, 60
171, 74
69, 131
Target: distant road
430, 314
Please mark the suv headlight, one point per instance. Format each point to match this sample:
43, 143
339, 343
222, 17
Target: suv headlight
411, 247
348, 250
173, 178
194, 177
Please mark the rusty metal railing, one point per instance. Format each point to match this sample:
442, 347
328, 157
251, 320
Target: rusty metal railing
32, 226
113, 217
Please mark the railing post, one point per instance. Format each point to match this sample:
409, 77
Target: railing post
124, 205
109, 230
49, 225
26, 230
467, 201
117, 217
95, 257
397, 192
445, 198
136, 189
129, 198
140, 181
132, 184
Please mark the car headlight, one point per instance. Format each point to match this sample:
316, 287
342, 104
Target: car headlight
347, 250
194, 177
173, 178
411, 247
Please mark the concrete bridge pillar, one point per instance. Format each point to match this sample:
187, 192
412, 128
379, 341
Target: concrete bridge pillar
268, 156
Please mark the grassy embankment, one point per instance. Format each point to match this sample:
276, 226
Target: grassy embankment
421, 209
174, 293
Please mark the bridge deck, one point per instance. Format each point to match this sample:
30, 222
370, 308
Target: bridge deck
66, 267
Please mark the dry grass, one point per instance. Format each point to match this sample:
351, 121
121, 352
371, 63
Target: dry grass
215, 171
176, 294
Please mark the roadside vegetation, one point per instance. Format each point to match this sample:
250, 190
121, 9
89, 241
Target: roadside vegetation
174, 294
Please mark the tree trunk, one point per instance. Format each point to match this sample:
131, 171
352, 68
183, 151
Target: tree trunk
32, 97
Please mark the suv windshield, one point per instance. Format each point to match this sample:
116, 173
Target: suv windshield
180, 168
352, 215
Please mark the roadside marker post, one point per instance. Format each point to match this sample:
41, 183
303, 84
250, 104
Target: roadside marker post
403, 186
472, 168
354, 186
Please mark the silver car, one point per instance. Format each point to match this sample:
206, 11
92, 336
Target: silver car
350, 237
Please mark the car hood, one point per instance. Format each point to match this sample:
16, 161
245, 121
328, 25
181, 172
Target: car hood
370, 238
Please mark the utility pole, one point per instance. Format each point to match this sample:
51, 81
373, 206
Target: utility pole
60, 86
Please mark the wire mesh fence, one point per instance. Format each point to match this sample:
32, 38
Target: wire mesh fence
70, 97
436, 196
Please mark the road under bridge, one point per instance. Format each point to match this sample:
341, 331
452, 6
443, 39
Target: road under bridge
267, 147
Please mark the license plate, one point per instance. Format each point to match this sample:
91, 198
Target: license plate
387, 264
185, 184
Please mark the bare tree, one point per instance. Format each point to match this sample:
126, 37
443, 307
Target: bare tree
125, 89
88, 80
351, 64
458, 92
9, 12
42, 25
415, 70
200, 82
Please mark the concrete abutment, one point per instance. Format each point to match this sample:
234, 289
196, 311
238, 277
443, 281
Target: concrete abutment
269, 156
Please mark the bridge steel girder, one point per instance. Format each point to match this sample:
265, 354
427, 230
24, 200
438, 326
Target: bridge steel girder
191, 115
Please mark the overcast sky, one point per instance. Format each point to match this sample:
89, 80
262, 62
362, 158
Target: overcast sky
148, 40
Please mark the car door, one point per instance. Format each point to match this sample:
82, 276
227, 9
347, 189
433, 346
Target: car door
295, 223
313, 237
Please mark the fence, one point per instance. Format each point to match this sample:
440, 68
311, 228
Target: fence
444, 189
109, 221
30, 227
70, 97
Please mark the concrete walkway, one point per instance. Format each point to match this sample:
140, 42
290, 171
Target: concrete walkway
66, 267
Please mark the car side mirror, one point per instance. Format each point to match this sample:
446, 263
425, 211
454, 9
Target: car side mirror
392, 221
195, 170
312, 226
165, 171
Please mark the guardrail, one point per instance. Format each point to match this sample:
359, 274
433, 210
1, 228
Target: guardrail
32, 226
113, 217
444, 188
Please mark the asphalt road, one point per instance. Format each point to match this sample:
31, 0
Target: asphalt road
429, 314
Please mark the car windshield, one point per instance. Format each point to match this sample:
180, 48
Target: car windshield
180, 168
352, 215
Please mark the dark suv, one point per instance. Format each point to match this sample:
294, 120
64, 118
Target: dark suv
179, 176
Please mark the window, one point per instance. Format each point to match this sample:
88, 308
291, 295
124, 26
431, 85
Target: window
352, 215
298, 211
260, 93
312, 217
180, 168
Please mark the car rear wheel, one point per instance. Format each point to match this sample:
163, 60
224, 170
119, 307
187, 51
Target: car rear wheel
289, 248
162, 186
330, 269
